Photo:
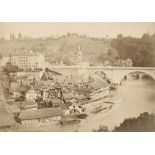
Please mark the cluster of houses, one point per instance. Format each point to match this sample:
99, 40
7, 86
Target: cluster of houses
37, 102
119, 63
42, 96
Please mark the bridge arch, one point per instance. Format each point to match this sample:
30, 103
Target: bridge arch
117, 76
135, 71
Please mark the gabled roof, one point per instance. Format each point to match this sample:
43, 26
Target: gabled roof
58, 102
89, 90
40, 113
68, 96
24, 88
29, 104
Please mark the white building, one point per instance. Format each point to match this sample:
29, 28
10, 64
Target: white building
31, 95
24, 60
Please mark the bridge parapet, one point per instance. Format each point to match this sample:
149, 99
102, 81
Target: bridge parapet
115, 74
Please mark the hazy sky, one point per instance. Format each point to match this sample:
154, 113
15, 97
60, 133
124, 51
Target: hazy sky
91, 29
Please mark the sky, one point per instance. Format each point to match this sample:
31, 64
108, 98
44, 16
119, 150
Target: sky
92, 29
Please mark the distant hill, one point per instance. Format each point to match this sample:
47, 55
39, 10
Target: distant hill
62, 47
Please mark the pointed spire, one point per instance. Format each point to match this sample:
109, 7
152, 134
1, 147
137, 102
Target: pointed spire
79, 53
79, 45
148, 32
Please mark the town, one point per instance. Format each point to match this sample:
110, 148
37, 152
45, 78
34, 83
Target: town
37, 95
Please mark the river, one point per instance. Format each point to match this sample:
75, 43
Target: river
137, 96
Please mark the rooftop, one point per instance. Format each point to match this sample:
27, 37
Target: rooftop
68, 96
29, 104
40, 113
21, 53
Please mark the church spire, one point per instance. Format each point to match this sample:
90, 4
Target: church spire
79, 45
79, 53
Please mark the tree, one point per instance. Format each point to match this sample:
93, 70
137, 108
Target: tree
140, 50
9, 68
143, 123
119, 36
112, 54
66, 61
145, 36
102, 128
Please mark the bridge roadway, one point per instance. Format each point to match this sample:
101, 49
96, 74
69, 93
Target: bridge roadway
104, 68
115, 74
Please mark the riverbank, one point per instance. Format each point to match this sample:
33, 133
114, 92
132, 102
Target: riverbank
94, 120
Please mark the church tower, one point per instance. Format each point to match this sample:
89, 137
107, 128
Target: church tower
79, 53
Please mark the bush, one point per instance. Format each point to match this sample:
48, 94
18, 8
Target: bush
82, 116
102, 128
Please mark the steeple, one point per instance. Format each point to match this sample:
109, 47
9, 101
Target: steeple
79, 53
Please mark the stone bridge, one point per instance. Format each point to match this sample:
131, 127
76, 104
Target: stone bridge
115, 74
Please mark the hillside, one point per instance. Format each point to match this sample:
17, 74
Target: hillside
61, 48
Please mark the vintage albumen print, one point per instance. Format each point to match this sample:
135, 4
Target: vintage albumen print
92, 77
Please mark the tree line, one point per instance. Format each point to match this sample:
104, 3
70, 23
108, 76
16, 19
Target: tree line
140, 50
143, 123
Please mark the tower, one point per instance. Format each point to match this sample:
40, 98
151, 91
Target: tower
79, 53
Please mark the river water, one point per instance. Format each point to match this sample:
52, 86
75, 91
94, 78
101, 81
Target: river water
136, 96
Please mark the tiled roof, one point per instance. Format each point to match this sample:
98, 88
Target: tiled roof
83, 89
56, 100
98, 85
29, 104
80, 97
40, 113
20, 53
24, 88
68, 96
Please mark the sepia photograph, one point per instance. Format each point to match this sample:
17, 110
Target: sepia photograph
77, 76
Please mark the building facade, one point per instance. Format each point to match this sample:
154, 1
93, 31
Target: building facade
40, 116
24, 60
99, 93
31, 95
